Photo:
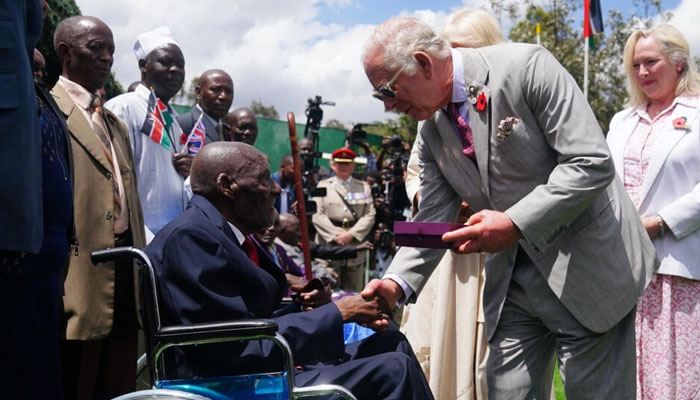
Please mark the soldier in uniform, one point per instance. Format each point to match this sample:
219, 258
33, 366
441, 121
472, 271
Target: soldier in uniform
345, 216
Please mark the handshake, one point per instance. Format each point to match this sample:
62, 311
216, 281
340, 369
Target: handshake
371, 311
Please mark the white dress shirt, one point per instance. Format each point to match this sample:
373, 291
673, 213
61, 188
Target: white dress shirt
160, 186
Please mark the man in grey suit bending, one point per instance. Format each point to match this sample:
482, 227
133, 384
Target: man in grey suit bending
506, 129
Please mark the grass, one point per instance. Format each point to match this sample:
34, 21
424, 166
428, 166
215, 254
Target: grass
558, 384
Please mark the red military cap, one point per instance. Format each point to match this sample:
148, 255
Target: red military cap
343, 156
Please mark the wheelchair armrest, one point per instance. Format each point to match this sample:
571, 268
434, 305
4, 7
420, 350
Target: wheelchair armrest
113, 254
214, 330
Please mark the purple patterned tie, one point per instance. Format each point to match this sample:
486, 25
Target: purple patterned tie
464, 131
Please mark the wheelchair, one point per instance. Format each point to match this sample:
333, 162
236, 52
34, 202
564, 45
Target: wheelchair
258, 386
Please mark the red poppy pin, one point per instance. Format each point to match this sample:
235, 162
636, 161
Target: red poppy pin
481, 102
680, 123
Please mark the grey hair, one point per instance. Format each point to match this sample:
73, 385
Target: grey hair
69, 28
397, 39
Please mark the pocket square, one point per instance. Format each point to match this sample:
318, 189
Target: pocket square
505, 127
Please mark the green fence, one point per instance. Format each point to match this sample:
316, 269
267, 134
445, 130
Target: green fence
273, 140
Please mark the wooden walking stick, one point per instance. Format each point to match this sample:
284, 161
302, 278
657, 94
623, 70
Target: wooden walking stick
299, 190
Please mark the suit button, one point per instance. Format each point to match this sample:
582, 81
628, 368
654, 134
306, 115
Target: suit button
109, 175
108, 215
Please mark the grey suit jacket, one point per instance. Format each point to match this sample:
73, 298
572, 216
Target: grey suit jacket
552, 175
188, 120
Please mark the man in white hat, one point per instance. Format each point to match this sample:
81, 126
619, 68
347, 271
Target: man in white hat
156, 141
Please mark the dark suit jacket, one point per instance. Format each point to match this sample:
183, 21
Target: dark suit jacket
21, 220
204, 275
188, 120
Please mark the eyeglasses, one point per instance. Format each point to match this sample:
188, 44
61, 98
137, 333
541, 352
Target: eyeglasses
385, 90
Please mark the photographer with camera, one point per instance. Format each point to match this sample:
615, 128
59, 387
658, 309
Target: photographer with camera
345, 216
393, 158
358, 136
312, 174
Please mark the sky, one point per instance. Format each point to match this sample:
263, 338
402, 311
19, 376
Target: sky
283, 52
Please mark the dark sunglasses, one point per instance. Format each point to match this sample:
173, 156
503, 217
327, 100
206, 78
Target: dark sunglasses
386, 91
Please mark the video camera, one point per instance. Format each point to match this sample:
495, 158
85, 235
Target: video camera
314, 116
396, 142
386, 239
357, 134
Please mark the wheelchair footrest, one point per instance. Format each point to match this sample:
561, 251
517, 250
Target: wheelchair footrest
271, 386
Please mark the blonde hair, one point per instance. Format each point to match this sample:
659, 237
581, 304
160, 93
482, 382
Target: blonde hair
472, 28
675, 48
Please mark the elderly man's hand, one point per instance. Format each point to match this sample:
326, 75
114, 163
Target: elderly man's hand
486, 231
312, 294
373, 312
343, 238
182, 163
386, 289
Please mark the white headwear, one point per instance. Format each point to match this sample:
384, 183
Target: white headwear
147, 42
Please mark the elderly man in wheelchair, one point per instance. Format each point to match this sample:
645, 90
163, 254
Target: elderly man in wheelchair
207, 272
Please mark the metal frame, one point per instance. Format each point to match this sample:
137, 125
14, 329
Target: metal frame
159, 338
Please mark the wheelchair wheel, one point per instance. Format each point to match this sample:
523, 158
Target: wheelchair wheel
161, 394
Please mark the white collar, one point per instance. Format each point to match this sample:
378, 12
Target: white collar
236, 232
77, 93
459, 85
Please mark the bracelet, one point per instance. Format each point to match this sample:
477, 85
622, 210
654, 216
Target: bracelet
662, 227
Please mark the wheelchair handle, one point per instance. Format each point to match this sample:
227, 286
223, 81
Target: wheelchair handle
113, 254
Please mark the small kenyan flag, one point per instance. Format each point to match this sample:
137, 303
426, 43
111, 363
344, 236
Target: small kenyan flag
158, 121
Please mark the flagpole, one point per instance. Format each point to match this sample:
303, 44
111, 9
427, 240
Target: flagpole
537, 33
585, 67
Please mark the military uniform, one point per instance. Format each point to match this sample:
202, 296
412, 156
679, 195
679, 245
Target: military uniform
334, 216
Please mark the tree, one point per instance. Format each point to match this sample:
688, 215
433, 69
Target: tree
404, 126
263, 111
186, 95
335, 124
607, 92
58, 11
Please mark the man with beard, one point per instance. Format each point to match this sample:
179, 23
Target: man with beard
100, 350
214, 94
160, 165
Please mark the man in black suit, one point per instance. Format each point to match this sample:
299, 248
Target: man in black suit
207, 272
214, 94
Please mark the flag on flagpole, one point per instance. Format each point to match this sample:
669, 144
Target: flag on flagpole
158, 121
196, 138
592, 20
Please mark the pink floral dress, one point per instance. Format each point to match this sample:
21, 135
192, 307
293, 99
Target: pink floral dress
667, 324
